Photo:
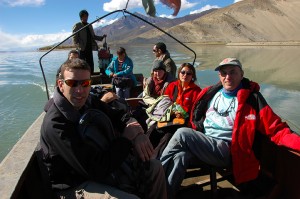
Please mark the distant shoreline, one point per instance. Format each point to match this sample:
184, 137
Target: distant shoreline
268, 43
257, 43
262, 43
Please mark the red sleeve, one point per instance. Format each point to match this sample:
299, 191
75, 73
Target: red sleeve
170, 89
278, 131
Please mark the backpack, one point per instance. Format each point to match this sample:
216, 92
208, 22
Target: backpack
119, 104
96, 129
161, 110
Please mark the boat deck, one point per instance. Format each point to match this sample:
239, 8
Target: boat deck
21, 178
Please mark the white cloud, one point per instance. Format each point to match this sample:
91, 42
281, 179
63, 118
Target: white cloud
15, 3
19, 42
121, 4
104, 22
237, 1
167, 16
207, 7
187, 5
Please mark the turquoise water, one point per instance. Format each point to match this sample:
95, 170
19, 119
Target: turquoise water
22, 88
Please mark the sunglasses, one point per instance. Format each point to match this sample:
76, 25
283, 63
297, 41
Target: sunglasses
185, 72
74, 83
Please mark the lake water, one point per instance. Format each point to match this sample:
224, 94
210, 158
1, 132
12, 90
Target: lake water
22, 88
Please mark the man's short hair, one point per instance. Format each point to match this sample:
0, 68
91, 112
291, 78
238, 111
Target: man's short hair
77, 64
83, 12
161, 46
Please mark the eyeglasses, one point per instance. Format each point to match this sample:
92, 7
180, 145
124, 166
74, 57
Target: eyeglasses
74, 83
225, 113
183, 72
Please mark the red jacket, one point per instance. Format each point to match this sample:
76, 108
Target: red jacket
253, 116
187, 97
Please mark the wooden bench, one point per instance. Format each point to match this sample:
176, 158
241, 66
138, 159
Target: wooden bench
279, 164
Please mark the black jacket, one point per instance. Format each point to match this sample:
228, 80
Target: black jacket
62, 145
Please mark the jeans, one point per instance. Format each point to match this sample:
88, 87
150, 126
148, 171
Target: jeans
185, 146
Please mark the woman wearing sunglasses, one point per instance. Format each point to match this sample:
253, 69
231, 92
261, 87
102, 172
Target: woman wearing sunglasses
183, 93
186, 89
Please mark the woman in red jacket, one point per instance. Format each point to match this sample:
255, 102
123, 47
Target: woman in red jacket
184, 91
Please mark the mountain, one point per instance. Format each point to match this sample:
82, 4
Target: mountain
130, 29
244, 21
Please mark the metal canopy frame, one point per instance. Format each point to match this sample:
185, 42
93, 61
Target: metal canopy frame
124, 11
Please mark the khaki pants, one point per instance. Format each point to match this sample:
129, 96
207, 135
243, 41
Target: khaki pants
93, 190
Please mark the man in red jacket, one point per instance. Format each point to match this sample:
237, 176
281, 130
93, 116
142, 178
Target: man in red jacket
225, 119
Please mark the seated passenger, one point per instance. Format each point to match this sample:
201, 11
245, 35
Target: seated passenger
121, 68
81, 166
157, 83
182, 93
225, 119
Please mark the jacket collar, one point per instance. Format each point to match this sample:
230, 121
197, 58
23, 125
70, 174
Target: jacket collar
66, 108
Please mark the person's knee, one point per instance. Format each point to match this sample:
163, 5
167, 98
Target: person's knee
181, 134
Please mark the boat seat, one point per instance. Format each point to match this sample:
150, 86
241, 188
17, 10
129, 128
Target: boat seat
201, 168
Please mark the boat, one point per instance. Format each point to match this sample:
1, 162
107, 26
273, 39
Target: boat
21, 176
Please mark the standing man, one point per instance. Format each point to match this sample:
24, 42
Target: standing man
85, 39
161, 53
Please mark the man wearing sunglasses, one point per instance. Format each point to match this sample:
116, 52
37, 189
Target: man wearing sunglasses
161, 53
226, 118
76, 165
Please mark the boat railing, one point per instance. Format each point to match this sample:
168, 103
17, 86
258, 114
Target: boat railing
18, 170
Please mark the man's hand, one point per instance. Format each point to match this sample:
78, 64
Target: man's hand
142, 145
108, 97
132, 130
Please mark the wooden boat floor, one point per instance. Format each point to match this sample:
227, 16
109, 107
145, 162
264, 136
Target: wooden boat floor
197, 185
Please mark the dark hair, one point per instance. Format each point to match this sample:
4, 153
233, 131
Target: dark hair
73, 51
121, 50
83, 12
191, 67
161, 46
77, 64
58, 70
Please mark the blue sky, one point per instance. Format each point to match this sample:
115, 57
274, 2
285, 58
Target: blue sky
27, 24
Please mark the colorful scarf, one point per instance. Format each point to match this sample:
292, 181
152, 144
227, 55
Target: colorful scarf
158, 86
